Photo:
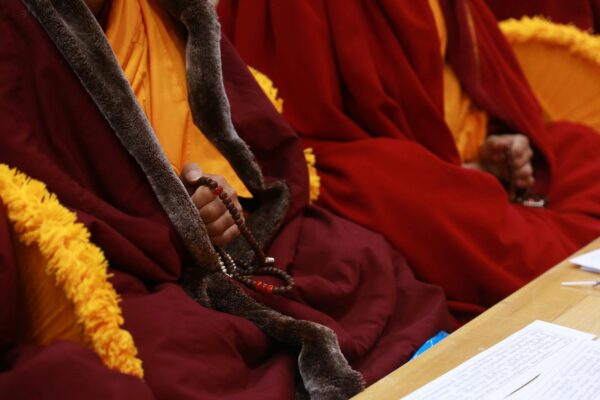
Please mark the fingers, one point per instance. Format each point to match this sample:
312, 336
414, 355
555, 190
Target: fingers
518, 170
209, 206
521, 152
521, 168
499, 143
190, 174
219, 223
523, 177
222, 232
493, 149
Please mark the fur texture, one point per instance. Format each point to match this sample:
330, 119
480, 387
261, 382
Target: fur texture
211, 112
80, 39
75, 32
325, 372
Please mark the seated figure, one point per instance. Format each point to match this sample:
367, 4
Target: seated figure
396, 98
114, 114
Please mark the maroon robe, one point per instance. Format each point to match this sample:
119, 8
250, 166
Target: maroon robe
362, 83
347, 277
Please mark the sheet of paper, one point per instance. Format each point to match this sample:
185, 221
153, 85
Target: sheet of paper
505, 367
574, 375
588, 261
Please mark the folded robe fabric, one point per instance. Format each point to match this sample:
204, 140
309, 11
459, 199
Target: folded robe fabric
365, 91
70, 120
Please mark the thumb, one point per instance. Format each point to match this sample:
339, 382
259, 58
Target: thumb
190, 173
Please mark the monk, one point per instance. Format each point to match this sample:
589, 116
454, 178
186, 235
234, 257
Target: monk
122, 109
397, 98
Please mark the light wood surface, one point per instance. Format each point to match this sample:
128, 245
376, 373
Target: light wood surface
544, 299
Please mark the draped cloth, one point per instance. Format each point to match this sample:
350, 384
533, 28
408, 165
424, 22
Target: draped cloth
347, 277
467, 123
365, 90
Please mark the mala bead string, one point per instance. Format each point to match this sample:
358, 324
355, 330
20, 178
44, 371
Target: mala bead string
523, 197
245, 273
229, 268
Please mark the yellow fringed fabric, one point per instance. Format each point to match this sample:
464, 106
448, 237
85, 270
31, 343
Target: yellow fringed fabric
562, 65
45, 313
314, 180
76, 265
267, 86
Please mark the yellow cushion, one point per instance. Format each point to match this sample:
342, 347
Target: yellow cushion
562, 64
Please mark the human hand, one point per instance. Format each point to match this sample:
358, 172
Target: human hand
518, 170
219, 223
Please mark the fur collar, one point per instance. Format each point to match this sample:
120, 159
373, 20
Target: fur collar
81, 40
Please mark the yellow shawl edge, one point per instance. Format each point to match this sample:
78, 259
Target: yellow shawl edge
314, 180
77, 265
268, 88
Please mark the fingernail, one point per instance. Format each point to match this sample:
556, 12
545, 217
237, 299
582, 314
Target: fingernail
192, 175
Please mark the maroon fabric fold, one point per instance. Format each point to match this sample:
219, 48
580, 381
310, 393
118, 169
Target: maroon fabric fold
64, 371
348, 278
8, 283
362, 84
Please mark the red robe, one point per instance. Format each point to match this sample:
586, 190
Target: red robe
584, 14
362, 84
54, 130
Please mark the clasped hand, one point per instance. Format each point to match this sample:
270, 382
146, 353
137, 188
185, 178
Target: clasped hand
518, 170
219, 223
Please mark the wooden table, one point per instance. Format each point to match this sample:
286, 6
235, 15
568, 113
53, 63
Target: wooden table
544, 299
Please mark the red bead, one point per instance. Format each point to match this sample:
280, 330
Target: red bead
218, 190
269, 289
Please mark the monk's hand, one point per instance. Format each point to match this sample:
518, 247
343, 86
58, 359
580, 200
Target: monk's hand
517, 169
219, 223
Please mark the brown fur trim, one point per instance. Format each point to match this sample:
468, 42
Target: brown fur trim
80, 39
211, 112
325, 372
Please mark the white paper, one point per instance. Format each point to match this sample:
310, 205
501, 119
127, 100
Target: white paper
574, 375
505, 367
588, 261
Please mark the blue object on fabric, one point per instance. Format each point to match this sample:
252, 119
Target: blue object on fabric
441, 335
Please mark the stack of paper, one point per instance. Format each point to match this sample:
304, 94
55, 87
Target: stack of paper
541, 361
589, 261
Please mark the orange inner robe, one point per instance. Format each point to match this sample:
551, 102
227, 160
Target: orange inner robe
151, 53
